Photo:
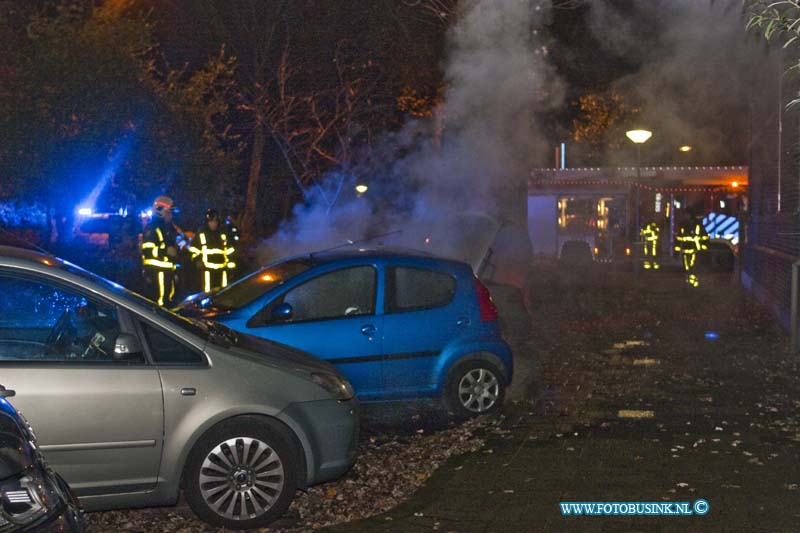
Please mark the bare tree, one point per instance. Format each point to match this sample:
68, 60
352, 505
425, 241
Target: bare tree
250, 30
317, 130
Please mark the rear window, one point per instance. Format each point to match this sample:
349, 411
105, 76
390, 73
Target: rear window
249, 289
415, 288
165, 349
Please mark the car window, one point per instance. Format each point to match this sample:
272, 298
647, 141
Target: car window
416, 288
40, 321
346, 292
247, 290
167, 350
176, 320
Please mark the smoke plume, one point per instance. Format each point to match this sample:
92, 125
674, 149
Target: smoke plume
698, 71
440, 192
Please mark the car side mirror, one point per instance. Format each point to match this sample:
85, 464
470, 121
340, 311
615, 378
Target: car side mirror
127, 348
6, 393
282, 312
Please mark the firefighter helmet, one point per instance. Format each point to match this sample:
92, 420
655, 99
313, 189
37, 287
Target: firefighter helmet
212, 214
161, 204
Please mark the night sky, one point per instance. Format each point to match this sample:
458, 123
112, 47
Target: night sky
411, 49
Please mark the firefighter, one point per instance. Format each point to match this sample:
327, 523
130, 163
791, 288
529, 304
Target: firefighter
649, 235
691, 240
160, 251
212, 250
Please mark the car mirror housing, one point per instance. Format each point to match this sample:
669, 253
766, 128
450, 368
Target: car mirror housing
127, 348
282, 312
6, 393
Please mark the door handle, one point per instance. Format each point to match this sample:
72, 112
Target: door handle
368, 330
463, 321
188, 391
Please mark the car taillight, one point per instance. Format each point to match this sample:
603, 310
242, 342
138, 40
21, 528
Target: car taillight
487, 307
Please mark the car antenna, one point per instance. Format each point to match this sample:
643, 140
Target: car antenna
360, 241
19, 239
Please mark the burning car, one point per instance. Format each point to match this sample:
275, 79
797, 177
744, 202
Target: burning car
400, 325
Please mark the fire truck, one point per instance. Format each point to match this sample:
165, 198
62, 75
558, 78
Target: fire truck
597, 211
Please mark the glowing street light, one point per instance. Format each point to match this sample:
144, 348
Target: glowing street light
638, 137
361, 188
685, 148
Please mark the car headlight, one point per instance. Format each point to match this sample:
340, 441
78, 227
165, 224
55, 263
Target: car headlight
25, 501
339, 388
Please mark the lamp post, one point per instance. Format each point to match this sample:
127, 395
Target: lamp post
638, 137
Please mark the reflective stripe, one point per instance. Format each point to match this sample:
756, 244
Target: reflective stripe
214, 263
159, 263
161, 288
207, 279
224, 278
157, 260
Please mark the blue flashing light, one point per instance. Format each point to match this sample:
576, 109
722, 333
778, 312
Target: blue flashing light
85, 211
205, 301
711, 335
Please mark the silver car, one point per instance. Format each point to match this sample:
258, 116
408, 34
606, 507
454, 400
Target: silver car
132, 403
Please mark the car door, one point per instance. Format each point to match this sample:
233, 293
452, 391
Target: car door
99, 419
332, 317
420, 317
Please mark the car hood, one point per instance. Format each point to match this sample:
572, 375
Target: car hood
191, 308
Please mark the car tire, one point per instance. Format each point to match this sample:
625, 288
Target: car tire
474, 387
242, 473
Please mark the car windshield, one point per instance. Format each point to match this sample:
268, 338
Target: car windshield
248, 289
193, 326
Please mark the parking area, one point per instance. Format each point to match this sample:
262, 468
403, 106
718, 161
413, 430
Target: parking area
627, 389
651, 392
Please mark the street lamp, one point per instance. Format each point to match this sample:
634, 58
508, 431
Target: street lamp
638, 137
361, 188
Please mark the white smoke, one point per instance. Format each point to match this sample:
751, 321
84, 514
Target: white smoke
497, 79
698, 70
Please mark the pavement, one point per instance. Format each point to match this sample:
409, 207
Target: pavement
631, 389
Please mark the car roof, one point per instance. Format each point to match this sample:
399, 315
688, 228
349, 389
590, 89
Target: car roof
31, 255
355, 251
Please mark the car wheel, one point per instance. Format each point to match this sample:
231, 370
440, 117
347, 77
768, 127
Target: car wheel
242, 474
474, 387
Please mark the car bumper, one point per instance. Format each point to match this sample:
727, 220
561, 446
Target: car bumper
66, 517
330, 430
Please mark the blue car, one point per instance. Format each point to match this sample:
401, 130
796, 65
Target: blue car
399, 325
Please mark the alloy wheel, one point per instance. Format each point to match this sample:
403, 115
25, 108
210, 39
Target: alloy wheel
241, 478
478, 390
